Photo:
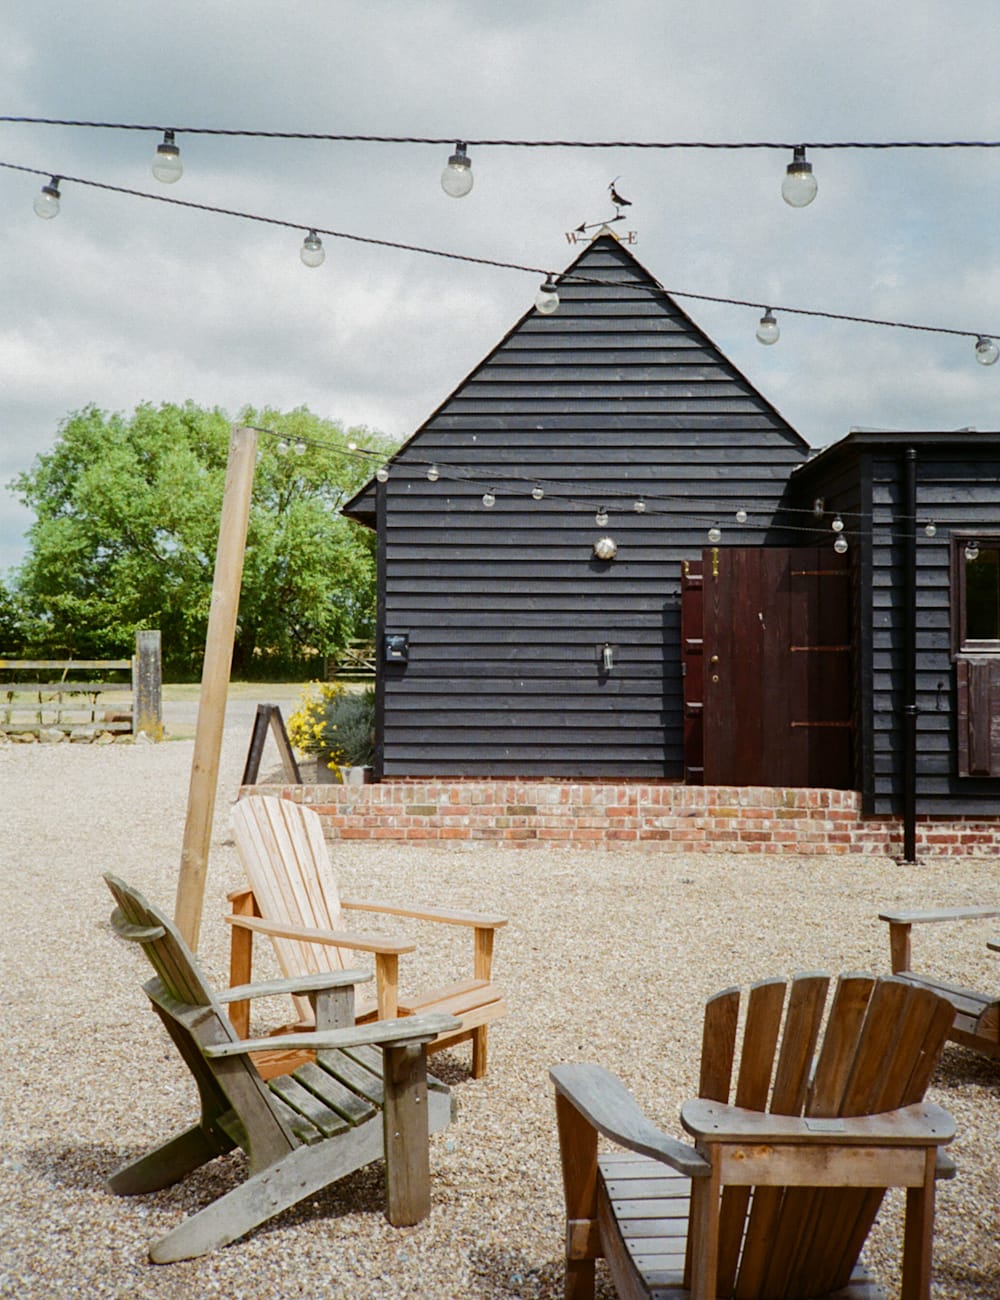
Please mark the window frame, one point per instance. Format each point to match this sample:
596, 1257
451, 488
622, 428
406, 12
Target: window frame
960, 644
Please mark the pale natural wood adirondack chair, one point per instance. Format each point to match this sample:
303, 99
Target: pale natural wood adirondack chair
293, 898
300, 1132
977, 1015
818, 1148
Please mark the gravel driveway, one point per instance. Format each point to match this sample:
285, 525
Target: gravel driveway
608, 957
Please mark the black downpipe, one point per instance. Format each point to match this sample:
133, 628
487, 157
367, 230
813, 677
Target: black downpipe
378, 764
910, 656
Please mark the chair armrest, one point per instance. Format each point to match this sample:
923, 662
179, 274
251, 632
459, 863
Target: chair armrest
382, 1033
939, 914
923, 1124
335, 938
296, 984
475, 919
607, 1105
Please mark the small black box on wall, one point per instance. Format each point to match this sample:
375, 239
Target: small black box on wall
396, 648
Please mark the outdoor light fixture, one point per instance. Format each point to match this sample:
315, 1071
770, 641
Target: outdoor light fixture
799, 187
167, 165
972, 550
300, 446
382, 474
537, 492
605, 548
608, 658
433, 473
282, 447
715, 534
767, 328
838, 524
931, 529
741, 516
601, 518
489, 500
312, 251
986, 351
456, 179
547, 297
47, 200
840, 545
639, 507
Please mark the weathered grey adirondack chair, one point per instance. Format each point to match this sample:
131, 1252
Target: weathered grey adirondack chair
294, 899
818, 1148
977, 1015
300, 1132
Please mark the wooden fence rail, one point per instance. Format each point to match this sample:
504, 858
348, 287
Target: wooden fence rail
62, 701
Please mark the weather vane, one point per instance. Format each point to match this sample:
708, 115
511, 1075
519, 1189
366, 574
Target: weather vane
572, 236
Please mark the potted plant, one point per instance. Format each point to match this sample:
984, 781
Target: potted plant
338, 726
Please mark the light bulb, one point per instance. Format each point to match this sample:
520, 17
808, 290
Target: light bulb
456, 179
300, 447
489, 500
47, 200
312, 251
601, 518
282, 447
838, 524
382, 474
767, 328
986, 351
605, 548
547, 297
639, 507
537, 492
715, 534
741, 516
433, 473
167, 165
931, 529
840, 545
799, 187
972, 550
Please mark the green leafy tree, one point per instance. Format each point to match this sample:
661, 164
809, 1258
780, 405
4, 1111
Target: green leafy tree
127, 515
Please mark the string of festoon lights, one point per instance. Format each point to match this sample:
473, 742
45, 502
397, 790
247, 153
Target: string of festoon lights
693, 511
48, 204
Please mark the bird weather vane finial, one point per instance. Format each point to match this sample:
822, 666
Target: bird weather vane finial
619, 203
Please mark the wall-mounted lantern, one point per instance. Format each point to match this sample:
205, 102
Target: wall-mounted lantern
396, 648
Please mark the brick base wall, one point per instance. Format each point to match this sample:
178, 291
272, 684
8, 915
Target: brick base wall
687, 819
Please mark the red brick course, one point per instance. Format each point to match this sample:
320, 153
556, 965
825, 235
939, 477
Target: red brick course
660, 815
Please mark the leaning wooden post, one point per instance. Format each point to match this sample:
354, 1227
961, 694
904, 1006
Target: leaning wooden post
215, 682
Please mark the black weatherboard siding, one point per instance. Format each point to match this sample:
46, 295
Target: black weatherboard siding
617, 397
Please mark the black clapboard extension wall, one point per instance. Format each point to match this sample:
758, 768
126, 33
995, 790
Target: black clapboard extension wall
957, 489
616, 398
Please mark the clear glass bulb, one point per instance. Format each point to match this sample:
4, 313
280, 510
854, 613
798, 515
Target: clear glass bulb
46, 203
605, 548
715, 534
986, 351
167, 165
639, 507
972, 550
840, 545
282, 447
433, 473
547, 298
799, 187
601, 518
741, 516
300, 447
767, 328
838, 524
382, 474
931, 529
456, 179
537, 492
312, 251
489, 499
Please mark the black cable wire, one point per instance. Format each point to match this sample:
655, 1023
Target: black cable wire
504, 143
560, 277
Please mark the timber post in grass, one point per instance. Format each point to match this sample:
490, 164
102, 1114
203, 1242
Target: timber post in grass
215, 682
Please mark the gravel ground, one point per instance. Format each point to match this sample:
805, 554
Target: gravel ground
607, 957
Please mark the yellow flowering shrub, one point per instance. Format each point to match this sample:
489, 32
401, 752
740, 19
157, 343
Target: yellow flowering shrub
335, 724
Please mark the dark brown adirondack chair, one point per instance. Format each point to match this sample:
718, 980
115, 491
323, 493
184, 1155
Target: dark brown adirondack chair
777, 1194
977, 1014
300, 1132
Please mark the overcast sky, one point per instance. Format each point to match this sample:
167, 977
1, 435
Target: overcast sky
119, 301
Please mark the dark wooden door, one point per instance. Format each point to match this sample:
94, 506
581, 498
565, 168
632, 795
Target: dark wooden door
776, 656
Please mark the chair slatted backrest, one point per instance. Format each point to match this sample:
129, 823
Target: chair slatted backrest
876, 1051
229, 1084
287, 863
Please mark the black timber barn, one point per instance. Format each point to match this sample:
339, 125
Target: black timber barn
508, 646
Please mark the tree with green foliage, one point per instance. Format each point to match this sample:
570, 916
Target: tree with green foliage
127, 516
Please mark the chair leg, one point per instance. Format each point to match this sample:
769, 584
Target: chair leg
302, 1173
407, 1150
918, 1236
479, 1060
169, 1163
